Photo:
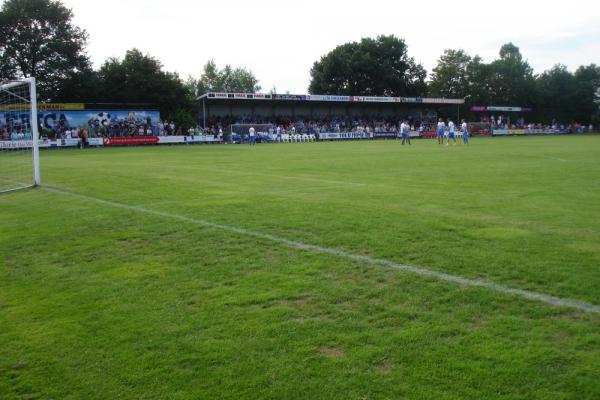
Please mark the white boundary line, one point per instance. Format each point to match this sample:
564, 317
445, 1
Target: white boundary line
19, 185
544, 298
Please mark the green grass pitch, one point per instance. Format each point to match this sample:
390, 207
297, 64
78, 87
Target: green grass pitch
100, 301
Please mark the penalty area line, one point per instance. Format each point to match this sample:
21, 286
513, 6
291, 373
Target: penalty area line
441, 276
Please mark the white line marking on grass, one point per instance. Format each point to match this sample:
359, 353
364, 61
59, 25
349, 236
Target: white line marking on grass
544, 298
559, 159
16, 185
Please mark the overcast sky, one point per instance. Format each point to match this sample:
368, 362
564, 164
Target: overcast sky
280, 40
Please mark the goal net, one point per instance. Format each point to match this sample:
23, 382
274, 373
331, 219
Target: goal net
19, 153
240, 131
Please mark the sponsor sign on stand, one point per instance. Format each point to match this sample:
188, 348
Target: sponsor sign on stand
329, 135
504, 132
345, 135
142, 140
44, 144
546, 131
93, 142
517, 131
113, 141
130, 140
320, 97
504, 109
186, 139
385, 135
477, 108
499, 108
480, 132
15, 144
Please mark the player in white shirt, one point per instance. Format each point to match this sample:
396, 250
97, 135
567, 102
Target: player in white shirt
465, 132
441, 127
404, 131
450, 133
252, 135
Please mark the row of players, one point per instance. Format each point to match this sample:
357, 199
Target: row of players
443, 131
448, 131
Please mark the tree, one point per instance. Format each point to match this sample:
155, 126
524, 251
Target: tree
139, 78
555, 95
478, 78
39, 39
371, 67
511, 80
81, 86
191, 85
228, 79
450, 77
587, 94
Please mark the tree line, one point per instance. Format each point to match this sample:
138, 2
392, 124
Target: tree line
38, 38
509, 81
382, 67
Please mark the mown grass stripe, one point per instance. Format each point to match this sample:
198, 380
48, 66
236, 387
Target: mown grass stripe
457, 279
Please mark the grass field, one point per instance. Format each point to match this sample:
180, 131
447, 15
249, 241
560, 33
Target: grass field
115, 286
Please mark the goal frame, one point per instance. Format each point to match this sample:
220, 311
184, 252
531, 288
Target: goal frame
33, 118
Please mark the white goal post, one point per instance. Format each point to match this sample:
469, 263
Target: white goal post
19, 135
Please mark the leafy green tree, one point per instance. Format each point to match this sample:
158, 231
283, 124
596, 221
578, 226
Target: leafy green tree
139, 78
39, 39
228, 79
555, 95
479, 82
191, 85
511, 80
587, 94
450, 77
371, 67
79, 86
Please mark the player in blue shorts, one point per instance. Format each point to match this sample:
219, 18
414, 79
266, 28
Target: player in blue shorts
465, 132
404, 131
252, 136
441, 127
450, 133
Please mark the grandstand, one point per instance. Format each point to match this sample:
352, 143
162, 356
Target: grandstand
222, 109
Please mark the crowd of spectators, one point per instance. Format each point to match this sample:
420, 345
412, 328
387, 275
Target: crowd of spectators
504, 122
113, 128
96, 128
343, 124
99, 127
15, 134
307, 125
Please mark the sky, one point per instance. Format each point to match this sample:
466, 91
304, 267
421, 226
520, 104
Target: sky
280, 40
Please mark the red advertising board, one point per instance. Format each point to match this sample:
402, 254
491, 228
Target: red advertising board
428, 134
130, 140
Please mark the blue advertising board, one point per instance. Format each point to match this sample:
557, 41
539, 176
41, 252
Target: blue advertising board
81, 118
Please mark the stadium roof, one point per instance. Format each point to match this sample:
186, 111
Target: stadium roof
327, 98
